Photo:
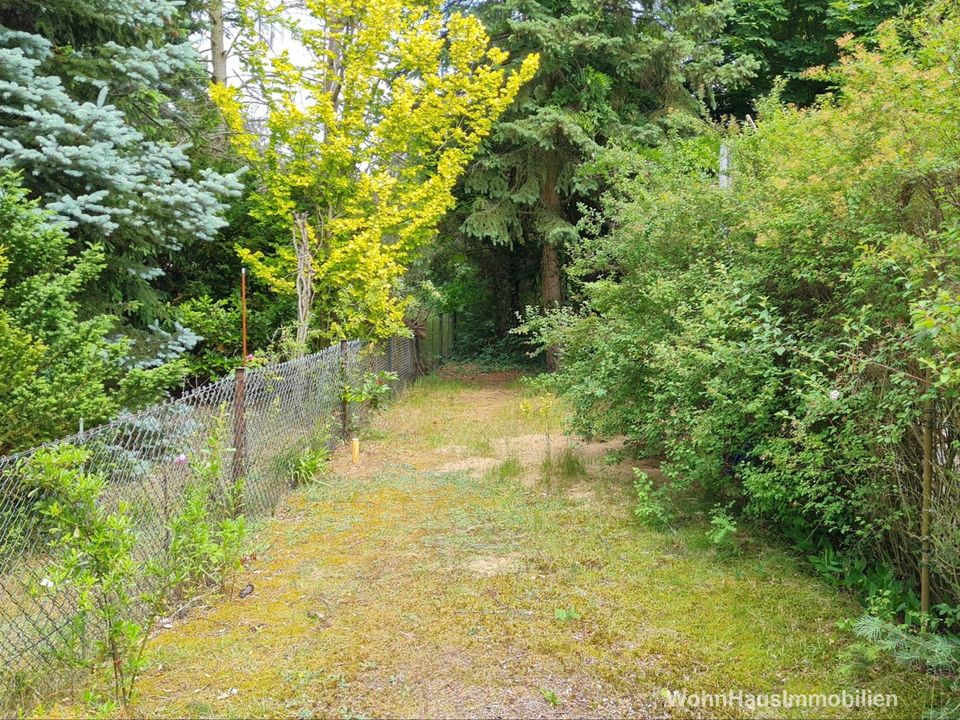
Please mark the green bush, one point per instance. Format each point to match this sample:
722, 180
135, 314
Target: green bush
58, 362
206, 536
94, 552
94, 555
771, 340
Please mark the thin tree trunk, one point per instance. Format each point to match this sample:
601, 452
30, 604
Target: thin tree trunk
218, 45
304, 283
550, 287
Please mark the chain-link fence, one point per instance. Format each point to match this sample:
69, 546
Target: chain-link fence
269, 416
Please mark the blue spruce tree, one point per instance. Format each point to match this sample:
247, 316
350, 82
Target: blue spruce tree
94, 98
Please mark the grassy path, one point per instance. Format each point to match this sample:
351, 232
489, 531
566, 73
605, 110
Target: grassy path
446, 576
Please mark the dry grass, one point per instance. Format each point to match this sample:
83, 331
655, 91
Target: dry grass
425, 582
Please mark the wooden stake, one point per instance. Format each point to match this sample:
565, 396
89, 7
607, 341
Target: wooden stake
925, 508
355, 449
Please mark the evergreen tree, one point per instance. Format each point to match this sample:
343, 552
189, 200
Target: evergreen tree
786, 37
610, 73
91, 109
57, 366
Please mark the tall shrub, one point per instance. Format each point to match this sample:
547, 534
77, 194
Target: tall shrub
777, 342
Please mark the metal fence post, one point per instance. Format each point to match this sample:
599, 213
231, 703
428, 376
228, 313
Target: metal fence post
389, 354
344, 405
239, 423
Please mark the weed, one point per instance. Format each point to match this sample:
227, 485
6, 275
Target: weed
723, 528
884, 595
199, 710
553, 700
566, 614
300, 466
651, 506
569, 466
310, 465
98, 706
566, 468
614, 457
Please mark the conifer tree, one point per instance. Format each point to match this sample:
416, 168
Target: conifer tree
57, 362
91, 94
786, 37
610, 73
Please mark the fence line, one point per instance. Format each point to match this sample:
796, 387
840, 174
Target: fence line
269, 416
936, 500
441, 337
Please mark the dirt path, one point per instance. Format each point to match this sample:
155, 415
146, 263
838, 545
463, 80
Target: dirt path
447, 576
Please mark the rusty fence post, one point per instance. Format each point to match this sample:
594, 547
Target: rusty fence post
344, 405
239, 423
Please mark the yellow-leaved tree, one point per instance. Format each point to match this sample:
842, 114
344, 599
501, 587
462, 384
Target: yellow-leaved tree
358, 130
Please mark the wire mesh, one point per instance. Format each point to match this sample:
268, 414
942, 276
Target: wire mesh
270, 416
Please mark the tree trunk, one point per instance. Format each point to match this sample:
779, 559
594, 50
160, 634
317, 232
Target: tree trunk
550, 288
550, 276
304, 284
218, 45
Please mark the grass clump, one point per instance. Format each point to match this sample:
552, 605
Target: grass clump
508, 469
568, 466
